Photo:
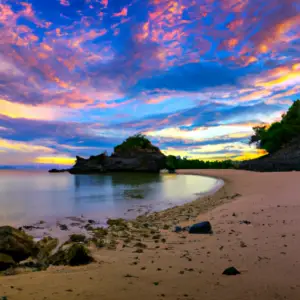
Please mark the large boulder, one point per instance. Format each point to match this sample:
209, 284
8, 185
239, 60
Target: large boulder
72, 255
16, 243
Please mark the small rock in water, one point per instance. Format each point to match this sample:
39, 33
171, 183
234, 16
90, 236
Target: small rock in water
63, 227
231, 271
201, 228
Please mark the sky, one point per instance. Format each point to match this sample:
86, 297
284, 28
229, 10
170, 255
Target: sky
79, 76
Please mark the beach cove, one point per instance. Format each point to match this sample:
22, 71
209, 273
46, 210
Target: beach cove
256, 224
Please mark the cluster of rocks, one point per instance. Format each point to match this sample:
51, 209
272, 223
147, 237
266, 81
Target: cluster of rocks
19, 251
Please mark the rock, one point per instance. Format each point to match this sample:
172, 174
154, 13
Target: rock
119, 223
140, 245
243, 244
178, 229
245, 222
91, 221
100, 232
31, 227
136, 154
34, 264
47, 245
16, 243
63, 227
89, 227
201, 228
72, 255
76, 238
231, 271
6, 261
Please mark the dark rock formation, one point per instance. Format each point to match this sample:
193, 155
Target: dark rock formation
71, 254
201, 228
16, 243
136, 160
285, 159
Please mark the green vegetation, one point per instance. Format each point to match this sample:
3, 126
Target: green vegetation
138, 141
273, 137
178, 163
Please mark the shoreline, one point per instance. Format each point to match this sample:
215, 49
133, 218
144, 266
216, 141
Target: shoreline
47, 227
185, 266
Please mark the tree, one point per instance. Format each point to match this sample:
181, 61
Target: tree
137, 141
278, 133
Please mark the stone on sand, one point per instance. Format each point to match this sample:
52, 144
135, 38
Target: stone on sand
201, 228
231, 271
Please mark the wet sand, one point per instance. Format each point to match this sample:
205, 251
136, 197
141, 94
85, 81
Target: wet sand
266, 251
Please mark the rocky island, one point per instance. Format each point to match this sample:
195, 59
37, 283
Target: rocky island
135, 154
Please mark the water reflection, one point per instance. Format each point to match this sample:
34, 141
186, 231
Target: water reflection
37, 195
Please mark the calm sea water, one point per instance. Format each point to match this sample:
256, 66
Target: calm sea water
29, 196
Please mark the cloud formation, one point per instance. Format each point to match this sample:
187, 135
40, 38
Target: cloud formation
77, 77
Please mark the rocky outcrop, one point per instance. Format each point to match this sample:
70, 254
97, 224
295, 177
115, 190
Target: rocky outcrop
137, 160
16, 244
72, 255
285, 159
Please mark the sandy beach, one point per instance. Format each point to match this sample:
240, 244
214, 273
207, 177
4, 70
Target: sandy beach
184, 266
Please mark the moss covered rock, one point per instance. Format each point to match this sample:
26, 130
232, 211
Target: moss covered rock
72, 255
16, 243
77, 238
6, 262
46, 246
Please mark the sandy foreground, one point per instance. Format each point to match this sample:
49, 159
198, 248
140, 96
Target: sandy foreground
190, 266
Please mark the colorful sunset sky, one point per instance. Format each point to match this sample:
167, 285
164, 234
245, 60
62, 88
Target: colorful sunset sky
79, 76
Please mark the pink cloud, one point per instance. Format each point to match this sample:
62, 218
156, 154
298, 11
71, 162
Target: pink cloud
122, 13
65, 2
